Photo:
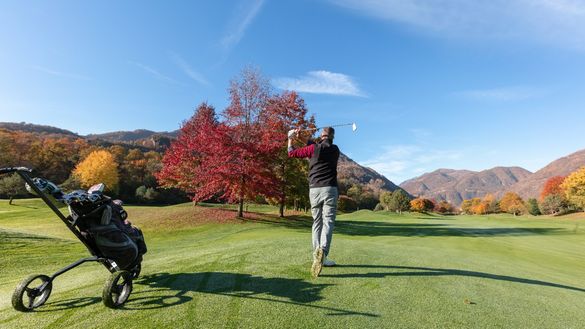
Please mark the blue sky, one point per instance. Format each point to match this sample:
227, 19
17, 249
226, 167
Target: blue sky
430, 84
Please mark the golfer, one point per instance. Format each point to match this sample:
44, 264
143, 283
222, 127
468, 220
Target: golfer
323, 193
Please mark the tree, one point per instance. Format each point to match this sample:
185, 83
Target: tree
532, 207
283, 112
190, 163
443, 207
512, 203
98, 167
466, 207
249, 143
12, 186
386, 199
491, 204
422, 205
574, 188
346, 204
399, 202
552, 186
553, 204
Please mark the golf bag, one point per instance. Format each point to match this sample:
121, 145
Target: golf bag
105, 223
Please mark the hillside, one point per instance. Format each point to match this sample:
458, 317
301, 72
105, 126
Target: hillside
131, 136
531, 186
352, 172
458, 185
146, 140
33, 128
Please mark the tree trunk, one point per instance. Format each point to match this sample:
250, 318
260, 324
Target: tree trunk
241, 208
281, 209
10, 202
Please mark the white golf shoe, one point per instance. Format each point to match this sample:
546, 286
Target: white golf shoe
328, 262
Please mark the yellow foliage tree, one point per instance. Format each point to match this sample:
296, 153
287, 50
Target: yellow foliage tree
512, 203
574, 187
98, 167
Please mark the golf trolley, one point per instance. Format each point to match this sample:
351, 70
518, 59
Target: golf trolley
98, 222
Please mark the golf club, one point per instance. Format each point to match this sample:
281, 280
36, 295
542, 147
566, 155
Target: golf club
353, 126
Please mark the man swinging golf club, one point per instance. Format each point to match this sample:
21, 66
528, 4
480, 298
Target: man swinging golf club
323, 193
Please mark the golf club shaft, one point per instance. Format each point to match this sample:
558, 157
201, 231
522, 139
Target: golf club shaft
339, 125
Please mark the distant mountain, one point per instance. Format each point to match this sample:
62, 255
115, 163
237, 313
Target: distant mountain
531, 186
33, 128
455, 186
352, 172
131, 136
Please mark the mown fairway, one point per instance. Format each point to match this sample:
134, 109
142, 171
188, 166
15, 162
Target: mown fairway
409, 271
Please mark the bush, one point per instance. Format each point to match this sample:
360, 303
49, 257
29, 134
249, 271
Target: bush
346, 204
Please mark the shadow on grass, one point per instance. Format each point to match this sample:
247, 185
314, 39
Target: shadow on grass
430, 272
370, 228
380, 228
172, 289
23, 206
69, 304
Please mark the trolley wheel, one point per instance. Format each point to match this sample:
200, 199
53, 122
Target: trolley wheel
32, 292
117, 289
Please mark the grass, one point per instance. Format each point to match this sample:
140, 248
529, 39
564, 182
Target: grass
205, 269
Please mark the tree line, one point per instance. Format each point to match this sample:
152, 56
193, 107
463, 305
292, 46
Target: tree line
559, 195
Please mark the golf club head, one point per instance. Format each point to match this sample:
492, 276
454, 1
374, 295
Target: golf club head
353, 127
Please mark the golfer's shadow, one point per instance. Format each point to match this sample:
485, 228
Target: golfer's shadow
178, 288
398, 271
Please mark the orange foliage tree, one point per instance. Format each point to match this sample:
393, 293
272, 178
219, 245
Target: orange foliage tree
512, 203
421, 205
552, 186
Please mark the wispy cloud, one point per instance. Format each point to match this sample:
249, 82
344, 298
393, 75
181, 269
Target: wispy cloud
401, 162
560, 22
500, 94
240, 22
321, 82
60, 73
154, 72
188, 70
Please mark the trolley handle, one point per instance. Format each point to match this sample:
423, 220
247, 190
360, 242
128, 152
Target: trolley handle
14, 169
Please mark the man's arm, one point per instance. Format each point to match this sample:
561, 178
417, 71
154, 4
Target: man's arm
303, 152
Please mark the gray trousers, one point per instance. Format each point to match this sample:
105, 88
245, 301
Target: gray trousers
323, 209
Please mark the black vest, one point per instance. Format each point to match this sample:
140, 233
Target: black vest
323, 165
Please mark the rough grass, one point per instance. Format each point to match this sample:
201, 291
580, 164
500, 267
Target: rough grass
408, 271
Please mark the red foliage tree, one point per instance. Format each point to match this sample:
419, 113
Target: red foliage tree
286, 111
552, 186
187, 163
234, 159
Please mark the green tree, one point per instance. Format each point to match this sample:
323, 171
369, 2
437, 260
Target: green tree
554, 204
400, 201
532, 207
386, 199
12, 186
